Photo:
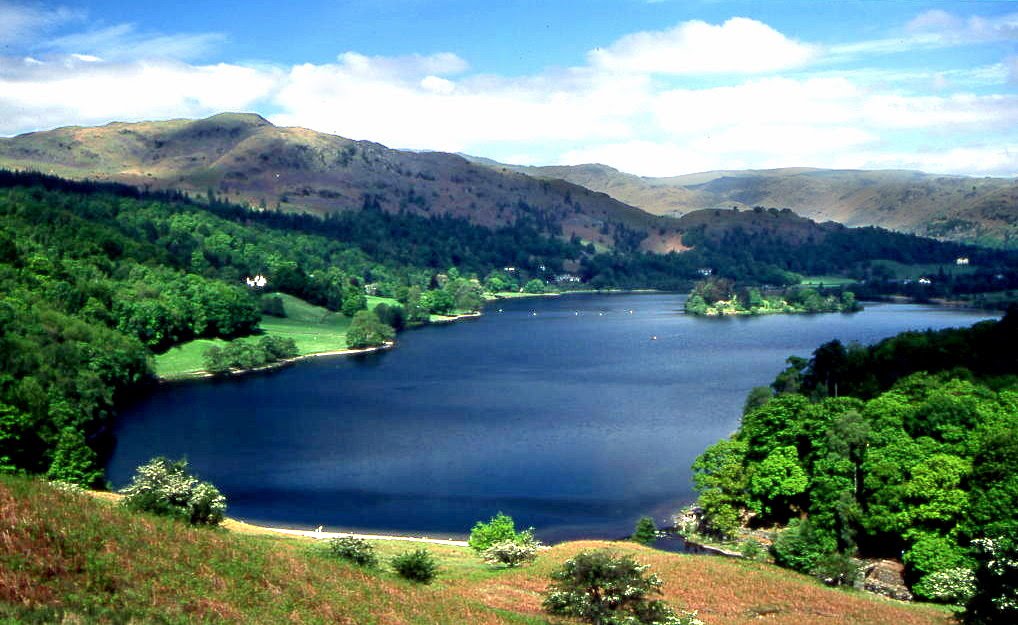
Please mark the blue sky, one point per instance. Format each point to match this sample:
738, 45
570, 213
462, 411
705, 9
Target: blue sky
651, 87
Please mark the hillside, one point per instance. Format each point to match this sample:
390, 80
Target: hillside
958, 208
69, 558
245, 159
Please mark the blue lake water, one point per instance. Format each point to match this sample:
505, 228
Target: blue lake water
561, 412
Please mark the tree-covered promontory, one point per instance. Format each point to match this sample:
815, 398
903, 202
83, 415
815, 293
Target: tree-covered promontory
902, 449
720, 297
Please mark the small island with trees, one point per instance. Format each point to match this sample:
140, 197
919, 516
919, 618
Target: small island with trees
718, 297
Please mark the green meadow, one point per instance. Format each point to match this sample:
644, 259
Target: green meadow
313, 328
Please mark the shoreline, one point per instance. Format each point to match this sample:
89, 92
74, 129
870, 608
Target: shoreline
322, 535
279, 364
243, 527
443, 319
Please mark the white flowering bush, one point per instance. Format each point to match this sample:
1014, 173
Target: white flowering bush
954, 585
995, 599
607, 589
511, 553
165, 487
67, 487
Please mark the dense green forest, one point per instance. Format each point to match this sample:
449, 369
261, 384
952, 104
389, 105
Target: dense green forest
905, 448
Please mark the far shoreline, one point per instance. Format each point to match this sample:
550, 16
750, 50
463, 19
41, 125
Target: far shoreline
201, 374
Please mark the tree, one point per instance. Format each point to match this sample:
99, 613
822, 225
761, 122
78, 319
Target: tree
604, 588
534, 286
366, 330
165, 487
646, 531
777, 480
354, 300
74, 461
720, 477
499, 528
757, 397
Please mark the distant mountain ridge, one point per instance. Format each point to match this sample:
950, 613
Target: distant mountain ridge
958, 208
242, 157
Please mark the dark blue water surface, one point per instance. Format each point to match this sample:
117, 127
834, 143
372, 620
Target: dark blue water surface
561, 412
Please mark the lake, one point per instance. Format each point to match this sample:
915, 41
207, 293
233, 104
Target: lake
561, 412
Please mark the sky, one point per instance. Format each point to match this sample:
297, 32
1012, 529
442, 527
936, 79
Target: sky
651, 87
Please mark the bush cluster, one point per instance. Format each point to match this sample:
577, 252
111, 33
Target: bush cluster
417, 565
165, 487
355, 550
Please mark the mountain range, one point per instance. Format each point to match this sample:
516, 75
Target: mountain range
243, 158
959, 208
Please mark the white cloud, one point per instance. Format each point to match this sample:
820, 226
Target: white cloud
401, 67
20, 23
637, 120
739, 46
53, 94
985, 160
125, 42
932, 30
399, 105
953, 29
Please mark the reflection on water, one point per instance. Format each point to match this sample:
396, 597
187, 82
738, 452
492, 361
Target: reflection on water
562, 412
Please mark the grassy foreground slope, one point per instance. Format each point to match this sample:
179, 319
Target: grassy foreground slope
68, 558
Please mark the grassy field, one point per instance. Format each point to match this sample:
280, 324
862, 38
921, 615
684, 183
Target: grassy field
930, 270
826, 281
69, 558
313, 328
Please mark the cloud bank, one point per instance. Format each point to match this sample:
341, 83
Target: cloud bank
693, 97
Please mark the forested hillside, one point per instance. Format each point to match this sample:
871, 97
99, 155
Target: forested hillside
902, 449
94, 279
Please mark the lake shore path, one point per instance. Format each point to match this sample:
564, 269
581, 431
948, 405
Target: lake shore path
317, 534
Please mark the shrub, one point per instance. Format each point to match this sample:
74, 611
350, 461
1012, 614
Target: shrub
500, 528
955, 586
646, 531
165, 487
836, 569
607, 589
355, 550
751, 550
417, 566
802, 546
511, 553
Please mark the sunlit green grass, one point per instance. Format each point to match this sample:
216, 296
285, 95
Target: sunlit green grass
313, 328
826, 281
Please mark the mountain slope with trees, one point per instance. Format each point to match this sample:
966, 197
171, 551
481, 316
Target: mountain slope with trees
244, 159
957, 208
